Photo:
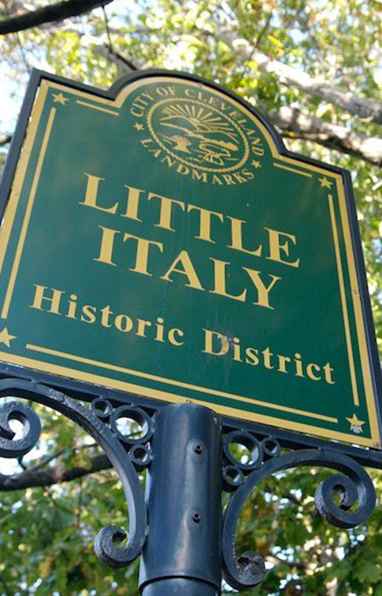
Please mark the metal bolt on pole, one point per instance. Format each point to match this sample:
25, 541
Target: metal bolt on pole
182, 555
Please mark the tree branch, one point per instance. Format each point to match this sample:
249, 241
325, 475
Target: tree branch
292, 498
294, 124
5, 140
358, 106
292, 564
124, 64
263, 31
55, 475
49, 14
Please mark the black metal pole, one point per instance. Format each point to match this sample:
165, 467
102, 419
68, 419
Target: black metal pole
182, 554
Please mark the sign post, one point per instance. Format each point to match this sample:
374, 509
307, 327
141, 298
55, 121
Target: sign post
182, 554
161, 246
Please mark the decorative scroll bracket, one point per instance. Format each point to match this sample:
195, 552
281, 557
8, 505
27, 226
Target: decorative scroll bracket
352, 484
130, 455
100, 421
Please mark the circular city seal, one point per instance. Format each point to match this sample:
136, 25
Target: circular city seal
198, 132
197, 135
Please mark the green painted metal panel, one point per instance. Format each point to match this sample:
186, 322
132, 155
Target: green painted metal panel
163, 242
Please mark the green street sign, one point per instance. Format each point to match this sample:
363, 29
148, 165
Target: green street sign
160, 240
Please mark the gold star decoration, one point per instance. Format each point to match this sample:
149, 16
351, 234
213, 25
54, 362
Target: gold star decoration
138, 126
60, 98
6, 337
324, 182
256, 164
355, 424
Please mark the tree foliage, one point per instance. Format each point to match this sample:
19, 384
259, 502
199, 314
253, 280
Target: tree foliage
315, 67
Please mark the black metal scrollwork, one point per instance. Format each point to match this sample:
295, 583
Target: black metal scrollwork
126, 454
352, 484
9, 445
130, 453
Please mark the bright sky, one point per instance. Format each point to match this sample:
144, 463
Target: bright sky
10, 101
12, 90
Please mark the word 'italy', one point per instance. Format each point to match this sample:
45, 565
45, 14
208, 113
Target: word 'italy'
256, 287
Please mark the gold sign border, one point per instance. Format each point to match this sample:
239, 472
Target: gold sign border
91, 101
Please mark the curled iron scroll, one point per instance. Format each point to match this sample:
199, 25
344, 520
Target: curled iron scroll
352, 484
93, 420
